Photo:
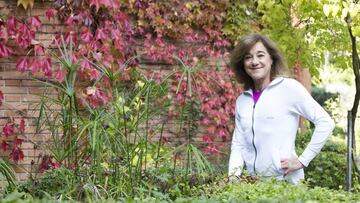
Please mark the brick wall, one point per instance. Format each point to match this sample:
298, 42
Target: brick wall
19, 90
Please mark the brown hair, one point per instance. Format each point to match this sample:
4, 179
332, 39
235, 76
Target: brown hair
243, 47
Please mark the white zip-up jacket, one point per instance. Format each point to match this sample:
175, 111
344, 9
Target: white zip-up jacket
265, 132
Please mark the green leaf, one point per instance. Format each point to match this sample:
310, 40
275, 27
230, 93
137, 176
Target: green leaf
356, 31
327, 9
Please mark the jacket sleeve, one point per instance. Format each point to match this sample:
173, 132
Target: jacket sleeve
236, 161
307, 107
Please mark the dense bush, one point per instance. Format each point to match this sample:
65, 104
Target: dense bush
55, 183
321, 95
328, 169
223, 191
275, 191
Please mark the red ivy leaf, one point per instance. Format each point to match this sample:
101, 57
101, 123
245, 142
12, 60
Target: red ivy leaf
72, 20
11, 25
100, 34
47, 163
4, 145
86, 36
115, 34
8, 129
22, 64
4, 50
35, 22
39, 49
85, 64
59, 75
18, 142
97, 3
46, 67
34, 64
68, 35
24, 36
22, 125
1, 97
16, 154
50, 13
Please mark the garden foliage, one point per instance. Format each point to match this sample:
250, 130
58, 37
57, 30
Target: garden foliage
109, 118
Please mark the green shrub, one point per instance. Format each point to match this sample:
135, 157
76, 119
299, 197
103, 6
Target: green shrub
321, 95
278, 191
57, 183
261, 191
328, 168
223, 191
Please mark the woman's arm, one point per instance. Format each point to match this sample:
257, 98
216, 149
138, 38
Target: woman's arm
236, 161
307, 107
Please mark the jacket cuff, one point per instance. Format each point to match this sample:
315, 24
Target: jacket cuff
303, 161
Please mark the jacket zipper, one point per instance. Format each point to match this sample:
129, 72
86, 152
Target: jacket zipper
253, 140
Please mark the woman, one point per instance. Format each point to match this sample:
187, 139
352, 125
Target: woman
268, 112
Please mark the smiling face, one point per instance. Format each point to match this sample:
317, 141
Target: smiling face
257, 64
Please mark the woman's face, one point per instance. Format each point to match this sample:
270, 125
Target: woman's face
257, 63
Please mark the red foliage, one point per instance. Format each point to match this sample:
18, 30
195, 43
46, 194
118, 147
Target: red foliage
16, 154
35, 22
22, 126
4, 145
5, 51
47, 163
1, 97
50, 13
17, 141
107, 36
22, 64
8, 129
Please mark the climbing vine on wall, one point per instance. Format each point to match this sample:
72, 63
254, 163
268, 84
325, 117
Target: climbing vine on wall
123, 34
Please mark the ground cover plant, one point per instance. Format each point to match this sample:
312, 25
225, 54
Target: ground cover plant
224, 191
109, 118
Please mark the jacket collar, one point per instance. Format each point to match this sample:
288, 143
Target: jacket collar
274, 82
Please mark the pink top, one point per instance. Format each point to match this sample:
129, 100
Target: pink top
256, 95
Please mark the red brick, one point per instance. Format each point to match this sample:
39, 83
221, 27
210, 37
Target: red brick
38, 137
14, 90
14, 106
12, 98
14, 74
51, 28
13, 83
32, 83
30, 98
40, 90
27, 145
45, 36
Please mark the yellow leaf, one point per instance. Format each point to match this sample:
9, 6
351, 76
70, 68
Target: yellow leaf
326, 9
354, 10
335, 10
26, 3
344, 13
356, 31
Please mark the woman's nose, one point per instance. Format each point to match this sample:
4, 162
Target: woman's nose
255, 61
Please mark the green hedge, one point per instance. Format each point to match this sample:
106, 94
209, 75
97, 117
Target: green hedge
328, 169
222, 191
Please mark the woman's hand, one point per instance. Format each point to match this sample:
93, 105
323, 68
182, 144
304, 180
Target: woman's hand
290, 165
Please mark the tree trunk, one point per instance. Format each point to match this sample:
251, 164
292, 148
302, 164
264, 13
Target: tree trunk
356, 66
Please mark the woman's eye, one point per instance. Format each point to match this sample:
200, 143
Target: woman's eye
248, 57
261, 55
